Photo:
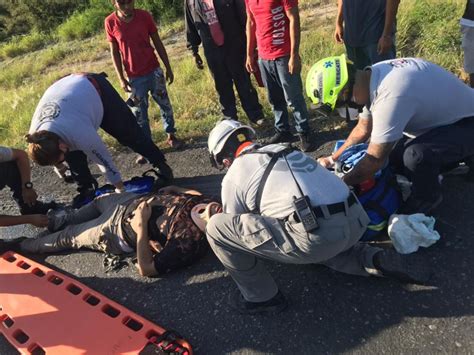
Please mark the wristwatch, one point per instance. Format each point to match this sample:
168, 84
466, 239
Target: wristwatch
28, 185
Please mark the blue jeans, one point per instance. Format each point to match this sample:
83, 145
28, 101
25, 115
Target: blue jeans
367, 55
284, 89
155, 84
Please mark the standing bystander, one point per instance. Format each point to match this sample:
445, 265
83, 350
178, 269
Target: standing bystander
220, 26
274, 27
367, 28
129, 31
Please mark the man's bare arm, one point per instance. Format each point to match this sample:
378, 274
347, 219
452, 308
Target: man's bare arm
117, 62
161, 50
339, 30
139, 223
359, 134
183, 190
373, 161
37, 220
386, 40
251, 62
294, 64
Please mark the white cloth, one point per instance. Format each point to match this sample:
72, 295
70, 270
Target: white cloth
72, 109
6, 154
409, 232
240, 184
412, 96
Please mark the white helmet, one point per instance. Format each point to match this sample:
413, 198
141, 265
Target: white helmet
229, 134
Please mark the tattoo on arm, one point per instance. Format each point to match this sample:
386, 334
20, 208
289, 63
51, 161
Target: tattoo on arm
377, 153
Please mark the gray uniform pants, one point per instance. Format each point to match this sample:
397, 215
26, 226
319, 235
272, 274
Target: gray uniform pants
95, 226
240, 241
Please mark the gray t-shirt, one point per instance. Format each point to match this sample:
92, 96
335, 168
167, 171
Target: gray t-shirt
412, 96
240, 184
72, 109
364, 21
6, 154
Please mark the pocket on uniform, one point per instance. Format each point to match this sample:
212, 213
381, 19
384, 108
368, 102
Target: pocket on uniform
254, 231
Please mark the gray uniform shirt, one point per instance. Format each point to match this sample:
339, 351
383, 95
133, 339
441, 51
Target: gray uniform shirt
240, 184
412, 96
72, 109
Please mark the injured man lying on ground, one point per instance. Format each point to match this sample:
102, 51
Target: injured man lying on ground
165, 229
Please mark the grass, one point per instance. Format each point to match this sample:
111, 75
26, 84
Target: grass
426, 28
19, 45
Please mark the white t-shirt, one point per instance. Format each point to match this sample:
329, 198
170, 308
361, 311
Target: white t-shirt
6, 154
72, 109
240, 184
412, 96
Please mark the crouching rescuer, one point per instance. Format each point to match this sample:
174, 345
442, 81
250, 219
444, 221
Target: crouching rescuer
280, 204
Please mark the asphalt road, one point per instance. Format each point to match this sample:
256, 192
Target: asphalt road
329, 312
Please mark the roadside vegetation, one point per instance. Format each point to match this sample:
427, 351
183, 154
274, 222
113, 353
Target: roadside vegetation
43, 49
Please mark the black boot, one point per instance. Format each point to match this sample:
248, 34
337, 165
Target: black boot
410, 268
414, 205
281, 137
11, 244
38, 208
273, 306
305, 142
165, 171
84, 196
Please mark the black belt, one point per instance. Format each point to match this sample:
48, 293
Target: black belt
94, 82
335, 207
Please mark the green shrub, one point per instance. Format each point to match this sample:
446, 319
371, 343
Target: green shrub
20, 17
24, 44
82, 24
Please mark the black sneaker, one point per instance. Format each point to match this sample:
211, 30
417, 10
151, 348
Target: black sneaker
11, 244
39, 208
305, 144
409, 268
83, 198
414, 205
281, 137
165, 171
274, 305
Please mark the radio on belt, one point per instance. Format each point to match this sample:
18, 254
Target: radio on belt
305, 213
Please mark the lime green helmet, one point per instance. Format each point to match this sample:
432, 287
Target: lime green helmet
326, 79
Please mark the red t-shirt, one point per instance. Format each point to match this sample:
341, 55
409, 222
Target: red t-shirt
133, 39
272, 26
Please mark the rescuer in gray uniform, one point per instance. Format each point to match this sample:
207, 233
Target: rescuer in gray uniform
280, 204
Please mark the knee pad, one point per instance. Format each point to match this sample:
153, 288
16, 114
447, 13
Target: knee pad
417, 155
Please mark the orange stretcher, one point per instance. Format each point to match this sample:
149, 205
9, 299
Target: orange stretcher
45, 312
